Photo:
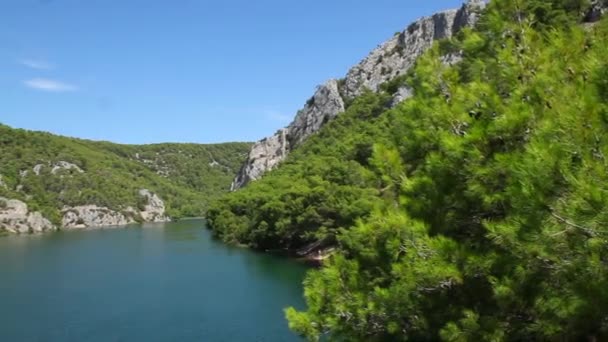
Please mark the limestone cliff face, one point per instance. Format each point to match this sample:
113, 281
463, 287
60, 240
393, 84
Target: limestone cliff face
389, 60
323, 106
154, 211
267, 153
264, 156
15, 217
90, 216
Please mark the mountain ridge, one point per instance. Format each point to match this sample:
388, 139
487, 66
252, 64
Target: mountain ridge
49, 181
389, 60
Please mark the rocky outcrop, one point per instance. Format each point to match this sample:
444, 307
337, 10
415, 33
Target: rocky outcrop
154, 211
597, 10
16, 218
91, 216
37, 169
87, 216
55, 168
389, 60
401, 95
63, 165
264, 156
267, 153
323, 106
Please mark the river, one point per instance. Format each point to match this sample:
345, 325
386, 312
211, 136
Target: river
156, 282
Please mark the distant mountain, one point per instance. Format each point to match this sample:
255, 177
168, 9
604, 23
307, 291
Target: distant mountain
49, 181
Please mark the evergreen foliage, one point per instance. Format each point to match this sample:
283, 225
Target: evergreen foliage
475, 211
185, 176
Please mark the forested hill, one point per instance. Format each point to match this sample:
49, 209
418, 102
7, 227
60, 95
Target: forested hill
50, 173
476, 210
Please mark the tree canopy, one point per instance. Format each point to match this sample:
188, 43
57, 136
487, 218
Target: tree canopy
477, 210
185, 176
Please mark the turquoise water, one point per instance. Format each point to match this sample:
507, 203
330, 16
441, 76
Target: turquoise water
165, 282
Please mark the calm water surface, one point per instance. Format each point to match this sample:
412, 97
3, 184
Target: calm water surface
165, 282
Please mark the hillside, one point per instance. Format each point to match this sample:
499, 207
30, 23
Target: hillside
101, 182
389, 60
475, 210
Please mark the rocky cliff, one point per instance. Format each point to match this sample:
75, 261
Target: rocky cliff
389, 60
264, 156
15, 217
152, 209
90, 216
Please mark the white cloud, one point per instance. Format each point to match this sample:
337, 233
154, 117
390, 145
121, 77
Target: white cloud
36, 64
49, 85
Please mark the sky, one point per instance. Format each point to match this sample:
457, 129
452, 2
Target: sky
137, 72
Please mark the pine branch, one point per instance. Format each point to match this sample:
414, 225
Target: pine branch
588, 231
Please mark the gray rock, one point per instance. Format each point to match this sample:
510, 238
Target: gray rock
597, 10
91, 216
396, 56
154, 211
37, 169
451, 58
63, 165
265, 155
389, 60
323, 106
401, 95
55, 168
16, 218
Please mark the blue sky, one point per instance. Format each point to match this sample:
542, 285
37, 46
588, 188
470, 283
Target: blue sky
145, 71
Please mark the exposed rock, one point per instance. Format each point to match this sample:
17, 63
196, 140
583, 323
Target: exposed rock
451, 58
55, 168
63, 165
264, 156
154, 211
37, 169
323, 106
597, 10
392, 58
468, 14
267, 153
16, 218
401, 95
396, 56
92, 216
